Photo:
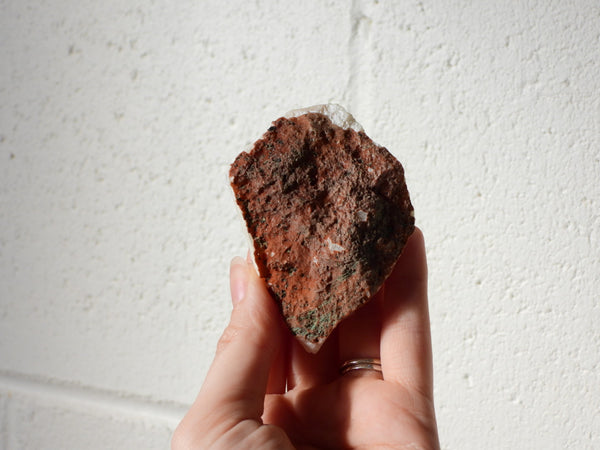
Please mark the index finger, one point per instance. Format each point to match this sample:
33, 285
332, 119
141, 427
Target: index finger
405, 336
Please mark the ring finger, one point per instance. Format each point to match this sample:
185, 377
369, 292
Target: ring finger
359, 337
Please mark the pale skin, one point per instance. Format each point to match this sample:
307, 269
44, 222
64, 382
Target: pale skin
263, 391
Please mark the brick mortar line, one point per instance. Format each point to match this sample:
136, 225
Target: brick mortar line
357, 50
170, 413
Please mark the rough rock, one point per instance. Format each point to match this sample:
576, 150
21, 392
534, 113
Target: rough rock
329, 214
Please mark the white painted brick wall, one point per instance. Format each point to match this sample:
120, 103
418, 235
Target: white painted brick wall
117, 124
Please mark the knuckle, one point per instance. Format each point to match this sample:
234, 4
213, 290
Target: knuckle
181, 439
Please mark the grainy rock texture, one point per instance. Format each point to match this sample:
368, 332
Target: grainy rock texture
329, 213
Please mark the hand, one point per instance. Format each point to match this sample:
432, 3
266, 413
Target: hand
263, 391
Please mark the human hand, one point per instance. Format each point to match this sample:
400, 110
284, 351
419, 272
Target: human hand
264, 391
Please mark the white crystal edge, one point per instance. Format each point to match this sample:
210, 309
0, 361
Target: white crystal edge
336, 113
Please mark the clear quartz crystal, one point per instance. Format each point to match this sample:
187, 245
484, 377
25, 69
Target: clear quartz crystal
336, 113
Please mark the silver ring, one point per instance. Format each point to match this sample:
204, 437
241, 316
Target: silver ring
373, 364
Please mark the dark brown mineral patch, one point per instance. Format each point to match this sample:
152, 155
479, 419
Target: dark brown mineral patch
329, 213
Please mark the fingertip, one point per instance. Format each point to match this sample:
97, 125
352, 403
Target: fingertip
412, 263
416, 241
238, 275
238, 261
417, 236
262, 308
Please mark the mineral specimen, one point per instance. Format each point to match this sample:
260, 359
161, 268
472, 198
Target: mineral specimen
329, 214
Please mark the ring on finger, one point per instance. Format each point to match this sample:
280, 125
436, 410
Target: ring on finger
370, 364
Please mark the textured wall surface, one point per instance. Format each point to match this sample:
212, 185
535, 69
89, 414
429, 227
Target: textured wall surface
117, 124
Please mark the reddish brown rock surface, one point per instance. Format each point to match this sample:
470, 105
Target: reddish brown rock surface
329, 213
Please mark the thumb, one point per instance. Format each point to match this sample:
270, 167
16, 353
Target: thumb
237, 380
